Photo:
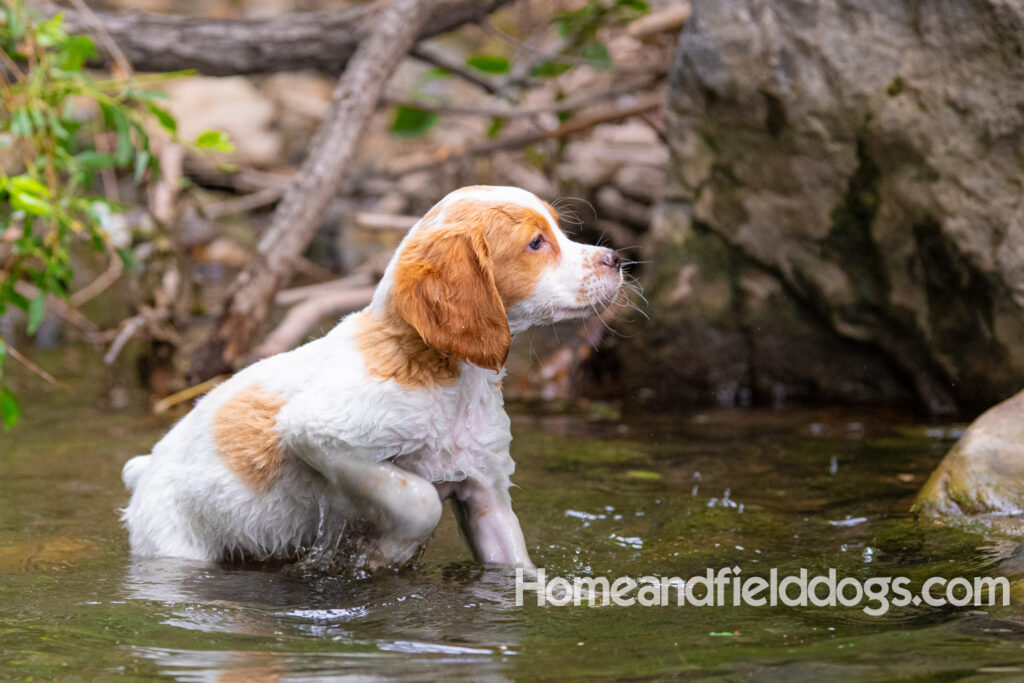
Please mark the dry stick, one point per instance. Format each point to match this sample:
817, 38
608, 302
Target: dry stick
163, 405
62, 309
647, 103
17, 355
321, 41
436, 57
303, 317
272, 186
510, 112
297, 217
100, 284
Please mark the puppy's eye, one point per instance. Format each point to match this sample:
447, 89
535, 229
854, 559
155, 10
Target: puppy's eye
536, 242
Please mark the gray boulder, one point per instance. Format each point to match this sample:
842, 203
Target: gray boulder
844, 218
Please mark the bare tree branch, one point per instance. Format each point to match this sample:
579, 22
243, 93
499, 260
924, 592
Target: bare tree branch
646, 103
303, 317
322, 41
332, 151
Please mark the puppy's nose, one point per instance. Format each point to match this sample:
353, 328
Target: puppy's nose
611, 259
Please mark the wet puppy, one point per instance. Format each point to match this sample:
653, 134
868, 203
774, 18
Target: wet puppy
394, 410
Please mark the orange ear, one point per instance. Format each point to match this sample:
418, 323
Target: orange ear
445, 289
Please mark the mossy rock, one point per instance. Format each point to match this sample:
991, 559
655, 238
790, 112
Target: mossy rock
983, 474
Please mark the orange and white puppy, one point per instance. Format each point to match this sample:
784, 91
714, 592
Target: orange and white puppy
395, 409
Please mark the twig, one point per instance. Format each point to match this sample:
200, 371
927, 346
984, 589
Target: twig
643, 104
384, 221
165, 404
287, 297
18, 356
509, 112
61, 308
100, 284
249, 202
436, 57
128, 330
301, 318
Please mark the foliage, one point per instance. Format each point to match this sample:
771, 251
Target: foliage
54, 118
581, 45
411, 122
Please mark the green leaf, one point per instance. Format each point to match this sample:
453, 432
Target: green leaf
17, 299
497, 123
8, 408
36, 309
21, 122
550, 69
491, 64
91, 161
638, 6
435, 73
127, 257
412, 122
142, 160
167, 122
597, 54
214, 140
51, 32
75, 52
30, 185
29, 203
643, 474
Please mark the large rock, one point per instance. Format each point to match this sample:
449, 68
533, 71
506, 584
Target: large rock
984, 472
844, 217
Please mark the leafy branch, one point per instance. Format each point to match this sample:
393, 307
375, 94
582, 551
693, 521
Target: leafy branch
60, 129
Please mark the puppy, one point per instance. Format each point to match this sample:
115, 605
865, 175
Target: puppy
396, 409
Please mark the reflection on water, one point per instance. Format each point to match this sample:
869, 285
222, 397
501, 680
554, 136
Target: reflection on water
664, 496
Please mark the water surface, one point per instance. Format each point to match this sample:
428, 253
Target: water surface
600, 494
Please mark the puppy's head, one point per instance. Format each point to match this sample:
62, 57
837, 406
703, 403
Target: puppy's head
487, 262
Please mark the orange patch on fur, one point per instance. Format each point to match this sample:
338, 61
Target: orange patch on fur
508, 229
392, 349
444, 287
246, 438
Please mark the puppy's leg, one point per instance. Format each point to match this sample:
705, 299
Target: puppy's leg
485, 515
402, 507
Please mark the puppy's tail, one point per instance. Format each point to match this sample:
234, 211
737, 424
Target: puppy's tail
133, 469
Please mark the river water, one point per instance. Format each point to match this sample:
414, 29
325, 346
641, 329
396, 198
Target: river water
600, 495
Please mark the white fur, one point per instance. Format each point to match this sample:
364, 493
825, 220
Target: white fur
360, 449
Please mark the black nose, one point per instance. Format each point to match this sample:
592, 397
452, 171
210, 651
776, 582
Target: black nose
611, 259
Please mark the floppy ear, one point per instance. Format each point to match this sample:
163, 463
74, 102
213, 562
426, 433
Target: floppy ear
445, 289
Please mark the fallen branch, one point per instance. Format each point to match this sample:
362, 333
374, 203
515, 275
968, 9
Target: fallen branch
297, 217
510, 112
302, 318
321, 41
647, 103
287, 297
